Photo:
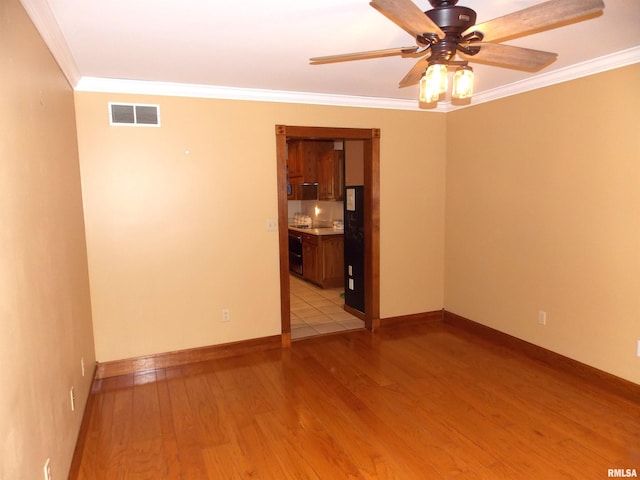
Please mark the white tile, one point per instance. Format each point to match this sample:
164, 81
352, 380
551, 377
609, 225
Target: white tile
317, 311
302, 332
328, 327
352, 323
331, 309
321, 318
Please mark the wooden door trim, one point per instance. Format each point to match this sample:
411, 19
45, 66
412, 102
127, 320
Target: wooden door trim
371, 137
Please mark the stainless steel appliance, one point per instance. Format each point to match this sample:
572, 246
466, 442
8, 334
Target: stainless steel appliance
295, 252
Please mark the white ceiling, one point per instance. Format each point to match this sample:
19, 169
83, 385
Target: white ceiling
265, 45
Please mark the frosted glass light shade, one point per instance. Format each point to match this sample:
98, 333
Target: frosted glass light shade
437, 77
462, 83
427, 93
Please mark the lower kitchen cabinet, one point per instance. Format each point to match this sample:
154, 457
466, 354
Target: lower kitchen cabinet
323, 259
310, 258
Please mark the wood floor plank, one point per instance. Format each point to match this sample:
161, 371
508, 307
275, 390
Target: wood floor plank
188, 435
363, 415
146, 423
423, 400
553, 407
434, 399
518, 430
206, 410
449, 448
169, 440
253, 451
115, 427
223, 461
367, 447
90, 447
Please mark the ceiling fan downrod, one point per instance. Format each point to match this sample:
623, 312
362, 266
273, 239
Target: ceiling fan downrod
442, 3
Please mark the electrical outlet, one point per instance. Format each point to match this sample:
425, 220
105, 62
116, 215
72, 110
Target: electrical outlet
226, 315
82, 365
47, 469
638, 352
272, 225
72, 394
542, 317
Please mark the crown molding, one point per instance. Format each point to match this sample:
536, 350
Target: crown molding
45, 22
139, 87
109, 85
573, 72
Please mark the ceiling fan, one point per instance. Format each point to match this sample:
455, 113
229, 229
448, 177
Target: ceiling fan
450, 38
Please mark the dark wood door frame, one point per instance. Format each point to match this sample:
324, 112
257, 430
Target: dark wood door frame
371, 138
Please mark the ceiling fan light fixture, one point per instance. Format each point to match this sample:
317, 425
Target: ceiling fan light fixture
437, 77
462, 83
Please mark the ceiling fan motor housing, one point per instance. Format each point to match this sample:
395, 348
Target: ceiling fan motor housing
453, 21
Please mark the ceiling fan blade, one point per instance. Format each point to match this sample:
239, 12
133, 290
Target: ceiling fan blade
408, 16
537, 18
346, 57
508, 56
416, 73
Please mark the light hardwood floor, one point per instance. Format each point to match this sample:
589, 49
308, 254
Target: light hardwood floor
422, 401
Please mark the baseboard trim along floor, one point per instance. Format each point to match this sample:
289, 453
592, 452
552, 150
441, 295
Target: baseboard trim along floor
183, 357
599, 378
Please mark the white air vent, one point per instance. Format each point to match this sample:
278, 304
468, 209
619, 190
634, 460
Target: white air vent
134, 114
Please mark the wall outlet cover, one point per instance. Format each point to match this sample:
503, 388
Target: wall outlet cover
542, 317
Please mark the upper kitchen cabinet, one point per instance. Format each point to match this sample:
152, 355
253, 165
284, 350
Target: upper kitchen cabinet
294, 161
302, 159
331, 175
315, 169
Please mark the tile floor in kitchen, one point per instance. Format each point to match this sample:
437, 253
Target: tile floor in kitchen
316, 311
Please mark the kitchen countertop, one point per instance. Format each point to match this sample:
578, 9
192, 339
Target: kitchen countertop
318, 231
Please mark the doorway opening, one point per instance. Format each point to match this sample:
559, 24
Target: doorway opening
371, 227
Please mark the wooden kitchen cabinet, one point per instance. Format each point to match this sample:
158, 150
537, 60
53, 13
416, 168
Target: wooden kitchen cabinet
302, 159
331, 175
323, 259
310, 258
331, 261
315, 162
294, 161
303, 192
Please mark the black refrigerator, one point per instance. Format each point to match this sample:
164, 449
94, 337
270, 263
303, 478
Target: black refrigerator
354, 247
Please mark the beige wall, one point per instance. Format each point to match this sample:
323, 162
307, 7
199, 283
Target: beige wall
45, 318
543, 213
175, 238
